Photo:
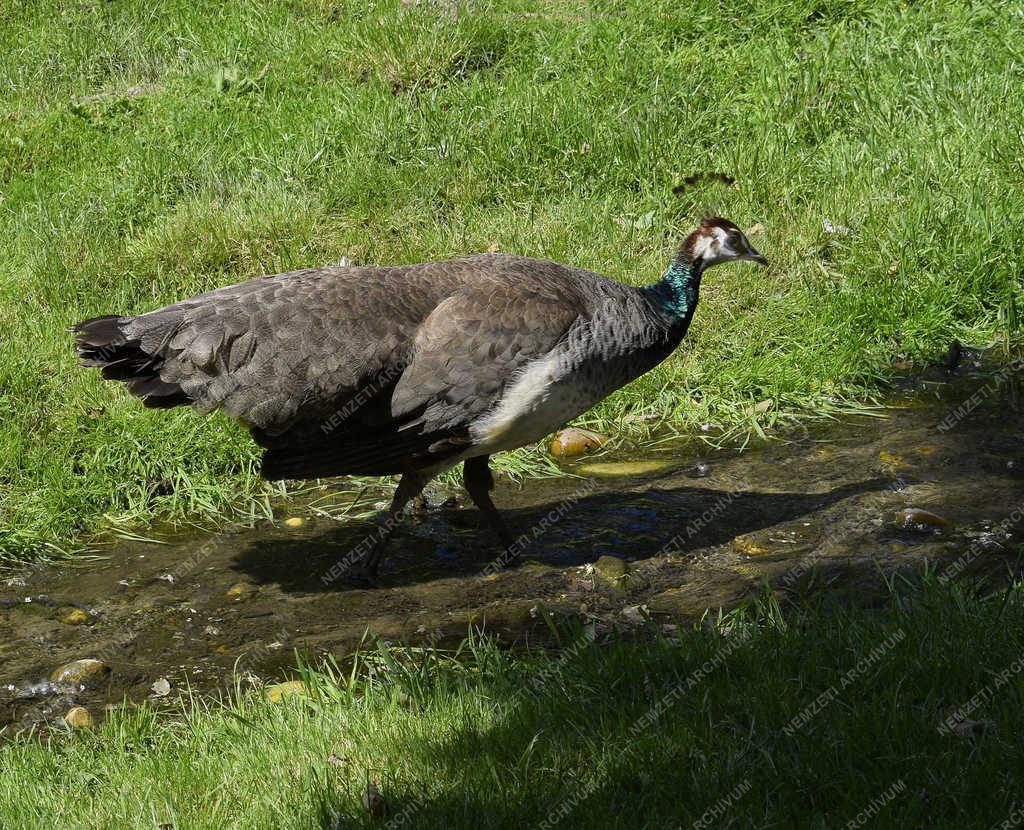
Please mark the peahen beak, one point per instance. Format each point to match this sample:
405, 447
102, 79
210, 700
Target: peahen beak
755, 255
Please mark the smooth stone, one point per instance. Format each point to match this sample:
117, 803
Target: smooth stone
294, 522
750, 546
915, 518
240, 590
162, 687
890, 460
611, 568
81, 671
575, 441
74, 616
78, 717
624, 468
289, 689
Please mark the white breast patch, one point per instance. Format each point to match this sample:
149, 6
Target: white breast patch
541, 400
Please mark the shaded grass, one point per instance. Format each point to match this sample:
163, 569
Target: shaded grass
149, 153
487, 738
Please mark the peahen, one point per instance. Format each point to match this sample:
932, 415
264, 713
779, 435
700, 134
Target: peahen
408, 369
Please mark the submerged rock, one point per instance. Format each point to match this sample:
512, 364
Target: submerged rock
624, 468
915, 518
575, 441
74, 616
78, 717
890, 461
611, 569
240, 590
750, 545
81, 671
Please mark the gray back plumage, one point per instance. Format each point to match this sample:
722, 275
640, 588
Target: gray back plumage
373, 369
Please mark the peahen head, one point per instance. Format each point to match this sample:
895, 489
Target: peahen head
716, 241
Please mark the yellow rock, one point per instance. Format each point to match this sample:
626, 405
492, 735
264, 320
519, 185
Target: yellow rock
281, 691
915, 516
74, 616
574, 441
891, 460
294, 522
81, 671
241, 589
624, 468
77, 717
749, 546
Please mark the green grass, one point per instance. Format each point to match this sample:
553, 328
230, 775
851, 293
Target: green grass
151, 151
487, 738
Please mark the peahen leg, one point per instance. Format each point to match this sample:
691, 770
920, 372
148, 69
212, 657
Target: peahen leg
478, 481
409, 487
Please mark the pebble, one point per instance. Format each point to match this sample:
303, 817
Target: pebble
575, 441
914, 518
162, 687
890, 460
74, 616
81, 671
635, 613
611, 568
750, 546
241, 589
294, 522
78, 717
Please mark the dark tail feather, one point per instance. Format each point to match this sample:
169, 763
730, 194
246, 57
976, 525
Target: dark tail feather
102, 344
388, 452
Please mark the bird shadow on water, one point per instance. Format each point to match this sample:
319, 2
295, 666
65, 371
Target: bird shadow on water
454, 543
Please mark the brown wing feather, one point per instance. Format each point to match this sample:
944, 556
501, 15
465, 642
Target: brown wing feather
474, 343
408, 355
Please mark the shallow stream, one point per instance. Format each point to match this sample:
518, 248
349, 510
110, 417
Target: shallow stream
814, 513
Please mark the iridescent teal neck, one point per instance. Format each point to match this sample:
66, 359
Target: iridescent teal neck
675, 295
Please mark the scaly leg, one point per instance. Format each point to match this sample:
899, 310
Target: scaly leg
409, 487
478, 481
